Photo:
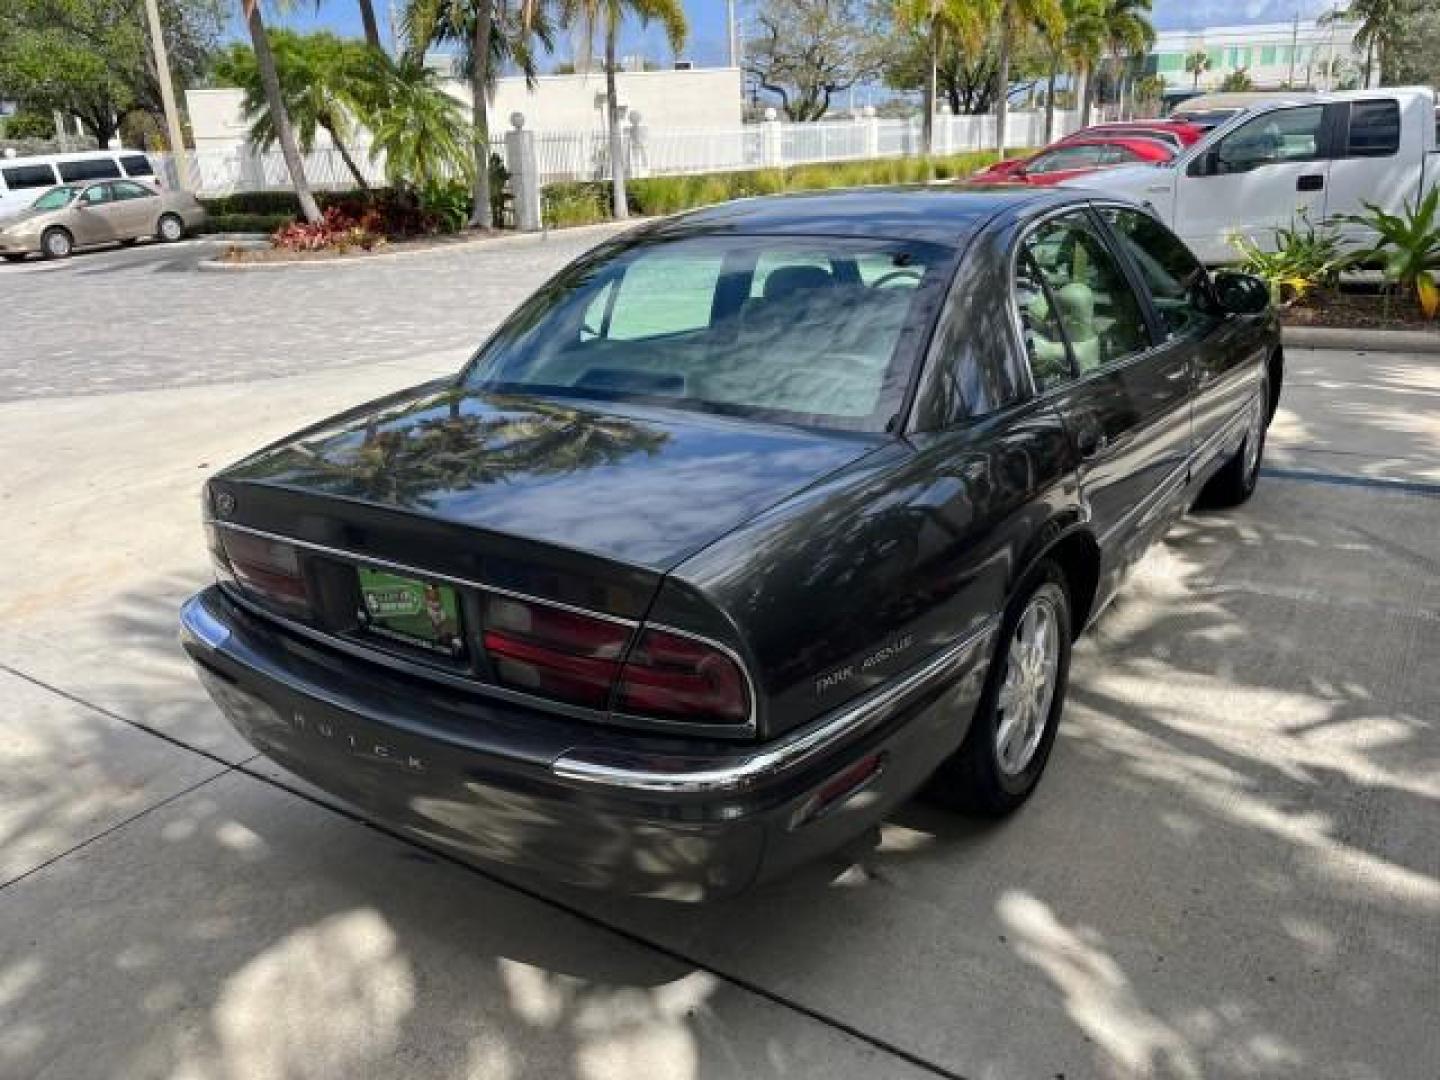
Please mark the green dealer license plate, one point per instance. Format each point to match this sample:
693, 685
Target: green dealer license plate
418, 613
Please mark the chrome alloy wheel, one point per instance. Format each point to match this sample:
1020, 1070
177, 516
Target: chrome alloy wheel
1032, 662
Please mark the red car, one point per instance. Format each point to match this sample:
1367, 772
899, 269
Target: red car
1175, 133
1075, 157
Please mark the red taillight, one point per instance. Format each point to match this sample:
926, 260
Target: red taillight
557, 653
578, 658
671, 677
268, 570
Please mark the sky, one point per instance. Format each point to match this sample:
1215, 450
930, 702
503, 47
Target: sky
707, 41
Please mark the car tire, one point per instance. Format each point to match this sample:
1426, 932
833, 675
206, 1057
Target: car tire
170, 228
1236, 480
129, 241
1008, 745
57, 243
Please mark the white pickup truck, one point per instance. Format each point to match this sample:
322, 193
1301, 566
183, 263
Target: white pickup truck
1324, 154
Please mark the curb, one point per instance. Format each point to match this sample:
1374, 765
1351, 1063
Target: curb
1361, 340
217, 265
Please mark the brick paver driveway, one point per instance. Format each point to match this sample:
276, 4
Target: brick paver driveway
143, 318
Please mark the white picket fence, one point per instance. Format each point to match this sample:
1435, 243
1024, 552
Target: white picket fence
585, 155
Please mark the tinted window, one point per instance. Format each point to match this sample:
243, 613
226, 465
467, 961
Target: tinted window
1067, 157
137, 165
1087, 291
18, 177
90, 169
1271, 138
693, 323
1045, 347
1177, 282
1374, 129
124, 189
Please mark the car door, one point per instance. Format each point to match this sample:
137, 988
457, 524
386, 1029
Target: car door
1255, 179
92, 219
1123, 390
136, 209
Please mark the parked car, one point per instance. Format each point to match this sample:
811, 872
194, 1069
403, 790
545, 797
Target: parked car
23, 179
83, 215
737, 531
1323, 157
1077, 157
1173, 134
1209, 111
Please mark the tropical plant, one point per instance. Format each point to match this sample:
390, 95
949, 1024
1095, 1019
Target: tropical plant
420, 129
606, 16
1128, 33
1237, 81
1196, 64
1017, 17
1379, 31
337, 230
1407, 247
326, 82
488, 34
1303, 257
1079, 45
958, 25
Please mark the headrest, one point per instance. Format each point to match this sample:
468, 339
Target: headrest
792, 279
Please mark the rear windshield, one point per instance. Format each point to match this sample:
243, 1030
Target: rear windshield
798, 329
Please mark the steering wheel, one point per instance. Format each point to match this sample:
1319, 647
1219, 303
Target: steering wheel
895, 275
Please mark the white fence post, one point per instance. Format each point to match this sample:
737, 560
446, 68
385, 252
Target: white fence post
524, 174
638, 163
872, 131
772, 146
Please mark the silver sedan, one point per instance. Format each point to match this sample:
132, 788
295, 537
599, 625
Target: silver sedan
99, 212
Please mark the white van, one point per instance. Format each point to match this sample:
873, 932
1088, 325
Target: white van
25, 179
1324, 154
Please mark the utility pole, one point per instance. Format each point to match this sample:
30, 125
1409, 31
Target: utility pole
167, 97
394, 31
1294, 42
734, 33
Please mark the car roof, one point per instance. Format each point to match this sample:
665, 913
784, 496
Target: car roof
933, 213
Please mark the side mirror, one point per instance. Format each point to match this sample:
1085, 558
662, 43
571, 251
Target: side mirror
1241, 294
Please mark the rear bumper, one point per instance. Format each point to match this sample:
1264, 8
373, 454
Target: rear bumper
497, 783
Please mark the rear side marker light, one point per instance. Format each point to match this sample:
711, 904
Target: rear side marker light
840, 788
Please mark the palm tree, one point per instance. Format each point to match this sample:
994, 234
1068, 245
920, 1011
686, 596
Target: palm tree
1196, 64
279, 118
608, 15
1079, 46
1128, 33
372, 28
489, 33
323, 82
1380, 27
421, 130
956, 23
1016, 17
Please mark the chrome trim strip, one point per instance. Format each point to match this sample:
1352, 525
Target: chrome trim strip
421, 572
698, 776
197, 622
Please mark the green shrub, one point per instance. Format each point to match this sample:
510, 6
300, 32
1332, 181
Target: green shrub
1302, 258
570, 204
244, 223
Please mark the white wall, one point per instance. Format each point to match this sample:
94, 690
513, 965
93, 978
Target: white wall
703, 99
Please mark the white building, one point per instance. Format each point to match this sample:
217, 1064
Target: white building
1272, 54
699, 99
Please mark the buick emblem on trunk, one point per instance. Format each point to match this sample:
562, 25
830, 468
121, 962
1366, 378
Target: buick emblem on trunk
224, 503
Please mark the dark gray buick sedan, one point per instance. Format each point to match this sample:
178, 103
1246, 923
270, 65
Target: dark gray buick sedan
742, 529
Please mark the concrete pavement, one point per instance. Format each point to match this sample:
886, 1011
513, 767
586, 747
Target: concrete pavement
1231, 869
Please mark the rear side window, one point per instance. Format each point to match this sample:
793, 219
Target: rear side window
20, 177
1374, 129
90, 169
124, 189
137, 165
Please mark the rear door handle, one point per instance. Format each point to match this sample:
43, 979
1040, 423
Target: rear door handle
1310, 182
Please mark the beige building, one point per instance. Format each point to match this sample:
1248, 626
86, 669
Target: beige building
1299, 54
